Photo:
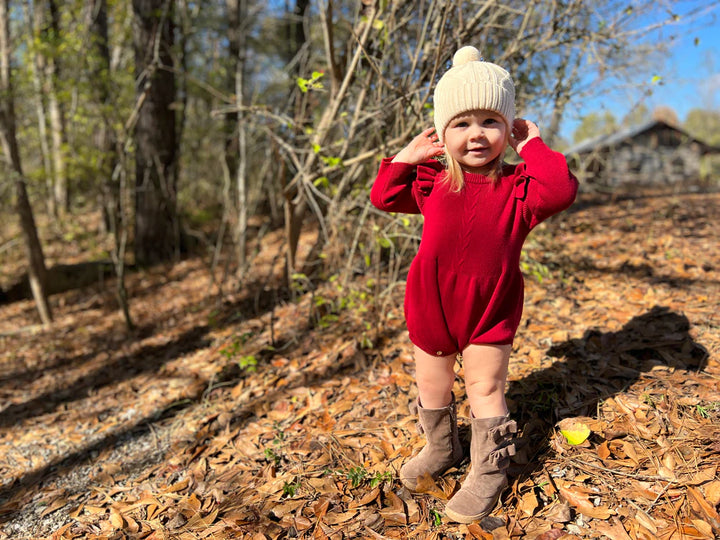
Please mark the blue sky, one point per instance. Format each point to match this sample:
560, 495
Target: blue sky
689, 78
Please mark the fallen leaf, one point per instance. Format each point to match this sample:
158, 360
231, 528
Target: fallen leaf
529, 503
332, 518
575, 432
704, 528
426, 484
603, 451
703, 508
56, 504
644, 519
580, 500
613, 530
477, 532
116, 518
712, 492
552, 534
560, 512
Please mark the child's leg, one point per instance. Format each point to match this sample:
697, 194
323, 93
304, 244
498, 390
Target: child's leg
486, 369
435, 377
438, 417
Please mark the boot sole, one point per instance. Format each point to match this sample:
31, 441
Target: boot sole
461, 518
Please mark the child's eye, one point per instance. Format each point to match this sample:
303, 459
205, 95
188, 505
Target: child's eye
490, 121
461, 124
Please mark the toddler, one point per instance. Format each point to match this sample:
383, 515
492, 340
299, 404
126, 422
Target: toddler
464, 290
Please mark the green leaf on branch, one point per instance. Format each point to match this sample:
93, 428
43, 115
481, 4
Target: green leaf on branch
313, 83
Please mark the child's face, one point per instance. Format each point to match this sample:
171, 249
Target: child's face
475, 139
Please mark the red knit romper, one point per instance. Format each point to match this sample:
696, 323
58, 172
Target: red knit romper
464, 285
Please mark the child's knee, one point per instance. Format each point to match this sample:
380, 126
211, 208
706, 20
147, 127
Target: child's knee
485, 388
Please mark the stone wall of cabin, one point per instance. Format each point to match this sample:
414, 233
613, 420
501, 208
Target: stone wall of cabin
655, 158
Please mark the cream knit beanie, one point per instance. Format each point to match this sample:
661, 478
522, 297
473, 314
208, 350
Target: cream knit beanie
471, 84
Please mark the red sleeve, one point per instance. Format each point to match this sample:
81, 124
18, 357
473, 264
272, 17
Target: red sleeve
544, 182
401, 187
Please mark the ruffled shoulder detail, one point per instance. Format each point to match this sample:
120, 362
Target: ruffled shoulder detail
427, 174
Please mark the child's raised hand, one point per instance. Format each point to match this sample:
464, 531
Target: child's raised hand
522, 132
423, 147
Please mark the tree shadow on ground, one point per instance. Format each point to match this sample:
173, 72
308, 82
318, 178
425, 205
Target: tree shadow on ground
118, 367
585, 265
633, 193
593, 368
112, 372
13, 494
61, 278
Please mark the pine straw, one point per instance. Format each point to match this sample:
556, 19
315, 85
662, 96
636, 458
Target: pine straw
621, 334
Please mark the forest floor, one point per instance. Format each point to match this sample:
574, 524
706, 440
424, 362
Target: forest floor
258, 415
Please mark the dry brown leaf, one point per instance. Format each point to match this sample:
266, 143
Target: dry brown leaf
630, 451
704, 528
179, 486
426, 484
368, 498
393, 501
712, 492
394, 517
646, 521
302, 523
478, 533
603, 450
613, 530
332, 518
704, 475
116, 518
56, 504
580, 500
560, 512
529, 503
320, 507
703, 508
552, 534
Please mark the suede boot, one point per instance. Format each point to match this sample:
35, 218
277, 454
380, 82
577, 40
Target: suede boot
442, 449
490, 451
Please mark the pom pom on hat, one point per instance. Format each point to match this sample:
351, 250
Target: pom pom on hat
472, 84
466, 54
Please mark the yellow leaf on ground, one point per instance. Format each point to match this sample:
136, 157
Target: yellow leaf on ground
575, 432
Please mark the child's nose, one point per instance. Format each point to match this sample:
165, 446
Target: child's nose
477, 132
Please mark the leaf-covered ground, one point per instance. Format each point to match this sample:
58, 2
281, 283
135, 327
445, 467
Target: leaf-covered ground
260, 415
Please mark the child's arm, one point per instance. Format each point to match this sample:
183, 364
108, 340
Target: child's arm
393, 190
551, 187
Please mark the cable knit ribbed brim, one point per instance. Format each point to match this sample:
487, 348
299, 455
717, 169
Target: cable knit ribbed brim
471, 84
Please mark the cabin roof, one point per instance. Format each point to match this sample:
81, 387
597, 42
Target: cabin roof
614, 139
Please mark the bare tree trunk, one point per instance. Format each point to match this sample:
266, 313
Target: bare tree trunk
241, 234
38, 71
113, 173
295, 205
58, 128
157, 228
105, 138
35, 255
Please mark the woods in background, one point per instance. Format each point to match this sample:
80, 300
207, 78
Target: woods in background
180, 120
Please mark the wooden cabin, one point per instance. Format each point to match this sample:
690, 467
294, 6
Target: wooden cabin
651, 154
